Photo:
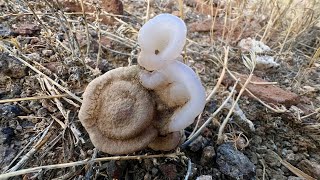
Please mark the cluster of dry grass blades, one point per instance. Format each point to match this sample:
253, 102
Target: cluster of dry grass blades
281, 24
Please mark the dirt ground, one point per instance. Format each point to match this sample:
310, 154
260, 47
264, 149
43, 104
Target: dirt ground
47, 56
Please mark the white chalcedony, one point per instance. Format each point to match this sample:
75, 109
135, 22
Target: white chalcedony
162, 40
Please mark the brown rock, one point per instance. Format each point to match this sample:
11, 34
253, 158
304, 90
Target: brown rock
110, 6
266, 92
309, 167
205, 26
27, 29
56, 67
203, 7
169, 171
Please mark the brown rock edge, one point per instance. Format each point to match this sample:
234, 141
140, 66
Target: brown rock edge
266, 92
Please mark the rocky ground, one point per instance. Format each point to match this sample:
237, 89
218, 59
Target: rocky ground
47, 56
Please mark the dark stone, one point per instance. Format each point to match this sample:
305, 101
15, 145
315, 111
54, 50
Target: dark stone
12, 67
207, 156
198, 143
9, 135
5, 31
10, 111
169, 170
234, 163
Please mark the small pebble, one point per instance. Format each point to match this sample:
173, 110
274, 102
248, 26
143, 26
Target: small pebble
47, 52
208, 154
9, 135
10, 111
198, 143
169, 170
234, 163
204, 177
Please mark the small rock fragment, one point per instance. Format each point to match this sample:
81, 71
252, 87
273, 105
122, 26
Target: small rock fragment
203, 6
249, 44
208, 154
234, 163
309, 167
10, 111
147, 176
4, 31
169, 170
47, 52
11, 67
198, 143
205, 26
267, 92
56, 67
204, 177
265, 62
110, 6
9, 135
295, 178
27, 29
271, 159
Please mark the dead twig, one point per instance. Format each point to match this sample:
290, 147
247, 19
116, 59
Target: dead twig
32, 98
197, 133
44, 138
86, 161
39, 72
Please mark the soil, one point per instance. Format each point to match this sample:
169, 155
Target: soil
50, 48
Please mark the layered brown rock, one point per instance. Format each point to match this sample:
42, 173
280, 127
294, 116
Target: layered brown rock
266, 92
110, 6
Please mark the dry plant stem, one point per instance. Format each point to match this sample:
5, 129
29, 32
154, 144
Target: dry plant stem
19, 154
32, 98
225, 64
227, 12
39, 72
99, 38
43, 26
269, 24
62, 26
148, 11
89, 165
41, 14
86, 27
50, 145
293, 169
56, 100
43, 139
263, 170
86, 161
216, 87
181, 13
308, 115
214, 19
278, 110
314, 57
124, 41
197, 133
189, 170
225, 121
287, 35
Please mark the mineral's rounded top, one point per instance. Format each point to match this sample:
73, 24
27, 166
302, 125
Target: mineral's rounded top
161, 39
117, 112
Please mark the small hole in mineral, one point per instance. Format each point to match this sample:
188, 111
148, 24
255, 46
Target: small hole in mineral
156, 51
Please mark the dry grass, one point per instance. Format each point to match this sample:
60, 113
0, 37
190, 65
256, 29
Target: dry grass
278, 23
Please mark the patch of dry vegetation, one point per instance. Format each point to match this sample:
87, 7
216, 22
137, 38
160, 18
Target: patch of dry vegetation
85, 48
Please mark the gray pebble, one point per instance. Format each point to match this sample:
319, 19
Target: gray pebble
234, 163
